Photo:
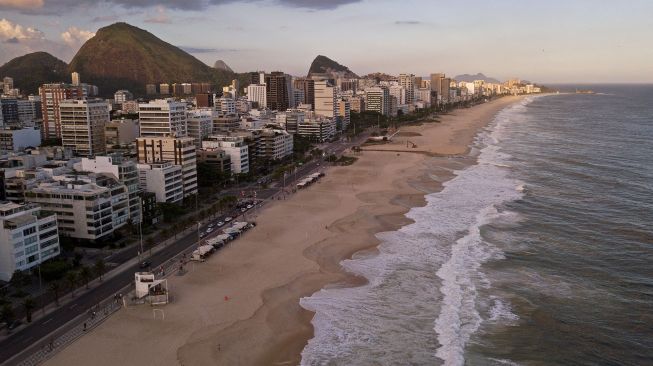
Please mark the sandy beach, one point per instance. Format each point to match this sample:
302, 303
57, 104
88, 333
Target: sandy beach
242, 305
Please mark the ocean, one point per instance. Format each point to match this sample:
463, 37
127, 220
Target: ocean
539, 253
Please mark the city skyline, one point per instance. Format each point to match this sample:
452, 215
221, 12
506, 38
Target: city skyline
553, 42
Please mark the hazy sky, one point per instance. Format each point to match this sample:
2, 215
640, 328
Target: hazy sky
545, 41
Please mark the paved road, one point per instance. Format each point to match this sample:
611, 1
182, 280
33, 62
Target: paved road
42, 327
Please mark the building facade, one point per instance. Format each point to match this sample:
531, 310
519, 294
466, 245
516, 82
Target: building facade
83, 123
162, 118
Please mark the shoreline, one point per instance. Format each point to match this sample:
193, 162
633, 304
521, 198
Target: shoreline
265, 273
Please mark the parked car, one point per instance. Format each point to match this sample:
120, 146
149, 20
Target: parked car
209, 230
211, 225
220, 223
228, 218
244, 209
249, 206
145, 264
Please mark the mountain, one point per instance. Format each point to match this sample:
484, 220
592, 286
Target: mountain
470, 78
221, 65
31, 70
323, 65
121, 56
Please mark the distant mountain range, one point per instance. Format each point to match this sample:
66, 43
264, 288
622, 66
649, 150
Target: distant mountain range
33, 69
323, 65
119, 56
469, 78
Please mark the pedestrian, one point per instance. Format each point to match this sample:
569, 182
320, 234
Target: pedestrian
51, 344
85, 326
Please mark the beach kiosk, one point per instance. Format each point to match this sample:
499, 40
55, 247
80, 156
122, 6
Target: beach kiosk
151, 290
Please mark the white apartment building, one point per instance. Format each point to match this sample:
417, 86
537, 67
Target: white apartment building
289, 119
200, 124
377, 99
407, 81
28, 236
122, 170
257, 93
423, 95
235, 147
164, 179
319, 129
83, 124
325, 99
398, 92
226, 106
274, 144
18, 140
89, 207
162, 118
178, 151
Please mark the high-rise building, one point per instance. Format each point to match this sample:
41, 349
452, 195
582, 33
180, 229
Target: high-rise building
398, 92
7, 84
51, 95
277, 91
150, 89
436, 83
257, 93
344, 113
162, 118
407, 81
28, 237
179, 151
308, 87
235, 147
444, 90
204, 100
82, 125
75, 78
325, 99
377, 99
164, 89
9, 111
200, 124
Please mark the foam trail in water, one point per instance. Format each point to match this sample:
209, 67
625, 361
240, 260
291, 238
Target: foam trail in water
419, 306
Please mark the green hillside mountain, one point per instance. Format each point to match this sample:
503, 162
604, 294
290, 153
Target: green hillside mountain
33, 69
121, 56
323, 65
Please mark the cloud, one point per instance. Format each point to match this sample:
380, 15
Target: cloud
10, 30
408, 22
190, 49
160, 16
50, 7
105, 18
21, 4
12, 40
75, 37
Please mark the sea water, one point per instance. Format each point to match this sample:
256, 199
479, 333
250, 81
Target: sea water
540, 253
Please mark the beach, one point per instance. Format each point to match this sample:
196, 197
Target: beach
241, 306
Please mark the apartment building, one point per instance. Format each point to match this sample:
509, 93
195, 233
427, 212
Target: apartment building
89, 207
234, 146
82, 125
28, 236
164, 179
178, 151
162, 118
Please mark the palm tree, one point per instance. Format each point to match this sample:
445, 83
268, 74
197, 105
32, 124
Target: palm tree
55, 287
85, 275
100, 268
71, 278
28, 306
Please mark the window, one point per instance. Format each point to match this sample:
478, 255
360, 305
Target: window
29, 231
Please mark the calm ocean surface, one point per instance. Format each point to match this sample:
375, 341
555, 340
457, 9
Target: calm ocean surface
539, 254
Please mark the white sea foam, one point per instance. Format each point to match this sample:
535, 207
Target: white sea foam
419, 306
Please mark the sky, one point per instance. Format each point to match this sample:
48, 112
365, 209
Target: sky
543, 41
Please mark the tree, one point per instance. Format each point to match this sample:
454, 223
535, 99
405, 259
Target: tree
77, 260
100, 268
85, 274
20, 279
28, 305
7, 313
71, 279
55, 289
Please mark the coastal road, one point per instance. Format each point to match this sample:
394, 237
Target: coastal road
45, 326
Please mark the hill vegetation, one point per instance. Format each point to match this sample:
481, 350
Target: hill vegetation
33, 69
324, 65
